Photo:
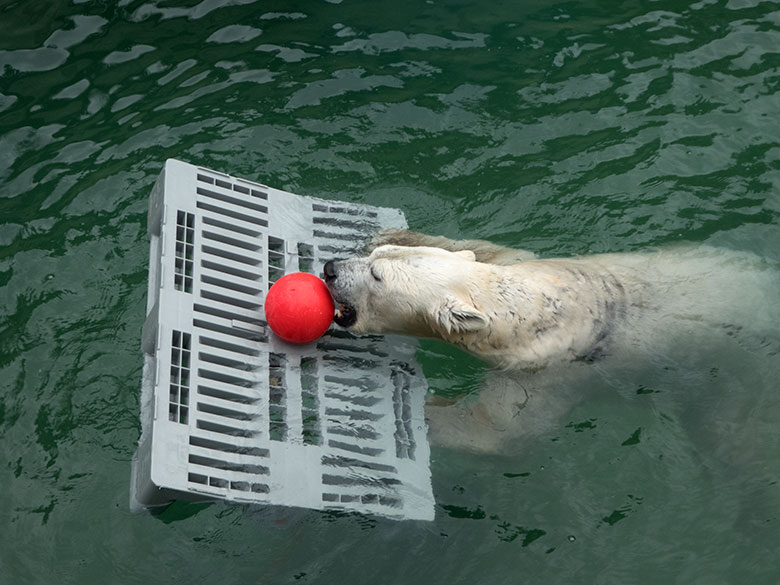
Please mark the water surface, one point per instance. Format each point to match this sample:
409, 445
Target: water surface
562, 127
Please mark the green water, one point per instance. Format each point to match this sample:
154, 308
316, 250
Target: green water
562, 127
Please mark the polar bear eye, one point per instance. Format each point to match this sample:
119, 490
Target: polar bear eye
375, 274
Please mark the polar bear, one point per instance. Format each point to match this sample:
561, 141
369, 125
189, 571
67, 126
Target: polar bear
542, 322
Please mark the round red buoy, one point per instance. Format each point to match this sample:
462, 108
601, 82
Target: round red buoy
298, 308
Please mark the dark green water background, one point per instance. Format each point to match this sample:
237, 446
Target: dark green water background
563, 127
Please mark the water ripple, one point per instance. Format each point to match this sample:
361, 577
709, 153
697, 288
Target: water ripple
200, 10
392, 41
53, 53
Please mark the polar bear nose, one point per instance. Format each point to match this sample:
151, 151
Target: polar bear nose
329, 270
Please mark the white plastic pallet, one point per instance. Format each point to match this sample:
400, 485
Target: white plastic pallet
230, 411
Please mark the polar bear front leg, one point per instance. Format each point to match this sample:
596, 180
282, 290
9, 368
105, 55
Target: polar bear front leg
491, 421
486, 252
511, 409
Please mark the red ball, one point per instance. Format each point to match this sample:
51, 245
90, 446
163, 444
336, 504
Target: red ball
298, 308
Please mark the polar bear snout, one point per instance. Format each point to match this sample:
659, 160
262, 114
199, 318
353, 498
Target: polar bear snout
346, 314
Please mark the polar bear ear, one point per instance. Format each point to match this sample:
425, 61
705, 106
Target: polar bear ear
454, 315
467, 254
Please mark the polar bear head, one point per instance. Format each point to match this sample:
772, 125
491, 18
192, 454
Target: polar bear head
416, 291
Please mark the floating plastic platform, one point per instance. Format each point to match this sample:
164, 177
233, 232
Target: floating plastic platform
231, 412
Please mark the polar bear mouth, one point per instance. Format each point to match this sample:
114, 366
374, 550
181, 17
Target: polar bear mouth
345, 316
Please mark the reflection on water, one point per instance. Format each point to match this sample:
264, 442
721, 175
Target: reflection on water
560, 127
